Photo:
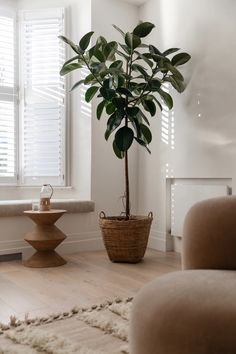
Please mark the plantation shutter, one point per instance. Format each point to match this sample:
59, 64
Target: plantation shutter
8, 97
43, 125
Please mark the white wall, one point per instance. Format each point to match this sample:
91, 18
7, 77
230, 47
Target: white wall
7, 3
205, 124
107, 184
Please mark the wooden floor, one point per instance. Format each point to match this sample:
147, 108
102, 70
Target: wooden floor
87, 278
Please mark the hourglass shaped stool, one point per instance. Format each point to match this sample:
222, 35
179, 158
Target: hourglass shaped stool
45, 237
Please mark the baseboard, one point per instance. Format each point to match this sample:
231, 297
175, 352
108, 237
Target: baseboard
169, 243
159, 241
177, 241
88, 241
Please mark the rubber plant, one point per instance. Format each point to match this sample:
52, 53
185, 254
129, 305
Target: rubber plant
129, 78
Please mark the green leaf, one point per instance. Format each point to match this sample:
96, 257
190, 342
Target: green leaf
143, 29
107, 93
135, 87
124, 91
116, 65
132, 40
101, 43
146, 133
107, 83
124, 138
146, 59
110, 108
177, 84
174, 71
170, 51
166, 98
154, 84
71, 44
147, 55
113, 122
125, 48
157, 58
154, 50
89, 79
126, 57
119, 102
149, 106
92, 50
142, 116
90, 93
98, 68
99, 55
77, 84
119, 30
85, 40
70, 67
119, 154
141, 69
132, 111
180, 59
158, 103
136, 125
110, 50
72, 59
141, 86
100, 108
142, 143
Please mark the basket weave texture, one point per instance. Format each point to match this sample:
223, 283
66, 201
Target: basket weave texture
125, 240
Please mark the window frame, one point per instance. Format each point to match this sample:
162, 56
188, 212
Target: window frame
19, 179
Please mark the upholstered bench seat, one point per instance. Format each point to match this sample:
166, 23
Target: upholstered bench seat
189, 312
17, 207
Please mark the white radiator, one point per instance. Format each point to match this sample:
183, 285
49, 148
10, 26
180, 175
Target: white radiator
183, 196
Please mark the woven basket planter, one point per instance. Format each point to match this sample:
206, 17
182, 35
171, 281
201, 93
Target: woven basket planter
125, 240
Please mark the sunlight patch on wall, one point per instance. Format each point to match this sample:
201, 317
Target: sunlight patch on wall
199, 114
169, 172
167, 123
85, 107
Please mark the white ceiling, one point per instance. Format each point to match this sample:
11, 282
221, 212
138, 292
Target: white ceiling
136, 2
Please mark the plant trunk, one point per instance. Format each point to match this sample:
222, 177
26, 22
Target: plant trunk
127, 199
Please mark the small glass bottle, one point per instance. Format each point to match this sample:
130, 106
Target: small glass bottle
45, 196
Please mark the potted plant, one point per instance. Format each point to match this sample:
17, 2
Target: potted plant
128, 79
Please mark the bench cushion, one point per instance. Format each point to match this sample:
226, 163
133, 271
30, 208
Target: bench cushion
17, 207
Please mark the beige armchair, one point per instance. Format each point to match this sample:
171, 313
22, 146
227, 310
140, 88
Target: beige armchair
193, 311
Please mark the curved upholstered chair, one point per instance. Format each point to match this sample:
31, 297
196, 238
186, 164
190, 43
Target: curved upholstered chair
193, 311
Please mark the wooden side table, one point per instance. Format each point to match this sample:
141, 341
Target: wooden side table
45, 237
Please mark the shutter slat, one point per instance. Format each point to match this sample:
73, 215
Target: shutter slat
7, 108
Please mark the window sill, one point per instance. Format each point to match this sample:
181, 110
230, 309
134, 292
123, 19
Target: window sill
27, 187
17, 207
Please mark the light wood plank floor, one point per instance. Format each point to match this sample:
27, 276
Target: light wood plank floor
87, 278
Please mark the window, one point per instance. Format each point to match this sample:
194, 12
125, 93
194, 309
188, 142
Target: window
35, 128
8, 97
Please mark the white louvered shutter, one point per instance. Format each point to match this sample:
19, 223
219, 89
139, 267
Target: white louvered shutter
8, 97
43, 123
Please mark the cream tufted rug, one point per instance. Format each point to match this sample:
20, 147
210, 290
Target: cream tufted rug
100, 329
